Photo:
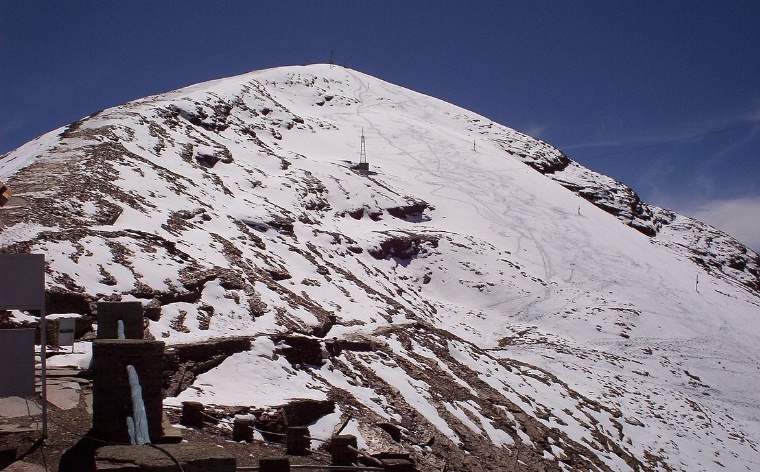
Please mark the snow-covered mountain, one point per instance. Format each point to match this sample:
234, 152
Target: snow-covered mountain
477, 299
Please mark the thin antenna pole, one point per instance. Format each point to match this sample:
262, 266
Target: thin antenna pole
363, 151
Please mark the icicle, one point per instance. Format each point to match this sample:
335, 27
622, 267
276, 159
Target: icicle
139, 418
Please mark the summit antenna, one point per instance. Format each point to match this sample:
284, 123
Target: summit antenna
363, 164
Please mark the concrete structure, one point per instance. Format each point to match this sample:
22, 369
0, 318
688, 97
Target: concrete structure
109, 314
193, 458
112, 401
343, 449
297, 440
192, 415
242, 430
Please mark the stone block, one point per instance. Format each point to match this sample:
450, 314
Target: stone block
274, 465
341, 449
242, 429
192, 457
109, 314
192, 415
297, 441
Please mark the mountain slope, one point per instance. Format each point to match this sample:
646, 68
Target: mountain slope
458, 303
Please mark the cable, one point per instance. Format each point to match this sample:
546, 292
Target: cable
748, 125
168, 454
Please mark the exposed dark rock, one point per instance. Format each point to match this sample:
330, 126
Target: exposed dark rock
58, 301
405, 246
304, 412
279, 274
321, 330
412, 212
282, 225
299, 350
393, 430
207, 160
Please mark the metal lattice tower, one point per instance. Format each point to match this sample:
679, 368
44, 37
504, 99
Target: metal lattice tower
363, 151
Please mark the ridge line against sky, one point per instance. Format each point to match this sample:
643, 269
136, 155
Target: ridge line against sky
588, 77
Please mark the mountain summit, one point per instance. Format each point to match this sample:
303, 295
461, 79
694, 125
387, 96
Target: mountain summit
473, 298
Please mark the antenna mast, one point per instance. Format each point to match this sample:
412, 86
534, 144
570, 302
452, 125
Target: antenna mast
363, 151
363, 165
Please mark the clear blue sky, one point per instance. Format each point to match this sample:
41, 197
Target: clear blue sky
590, 77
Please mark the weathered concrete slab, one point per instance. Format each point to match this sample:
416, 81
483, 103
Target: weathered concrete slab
55, 372
14, 407
14, 428
194, 458
22, 466
63, 397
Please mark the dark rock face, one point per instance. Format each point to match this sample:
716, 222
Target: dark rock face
300, 350
413, 212
305, 412
404, 246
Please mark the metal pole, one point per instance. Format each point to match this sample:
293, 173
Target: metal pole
43, 370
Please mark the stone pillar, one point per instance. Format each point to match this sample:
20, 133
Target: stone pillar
192, 415
242, 429
339, 448
298, 440
274, 465
112, 400
109, 314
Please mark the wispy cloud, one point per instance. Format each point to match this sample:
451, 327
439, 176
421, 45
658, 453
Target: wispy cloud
706, 126
738, 217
